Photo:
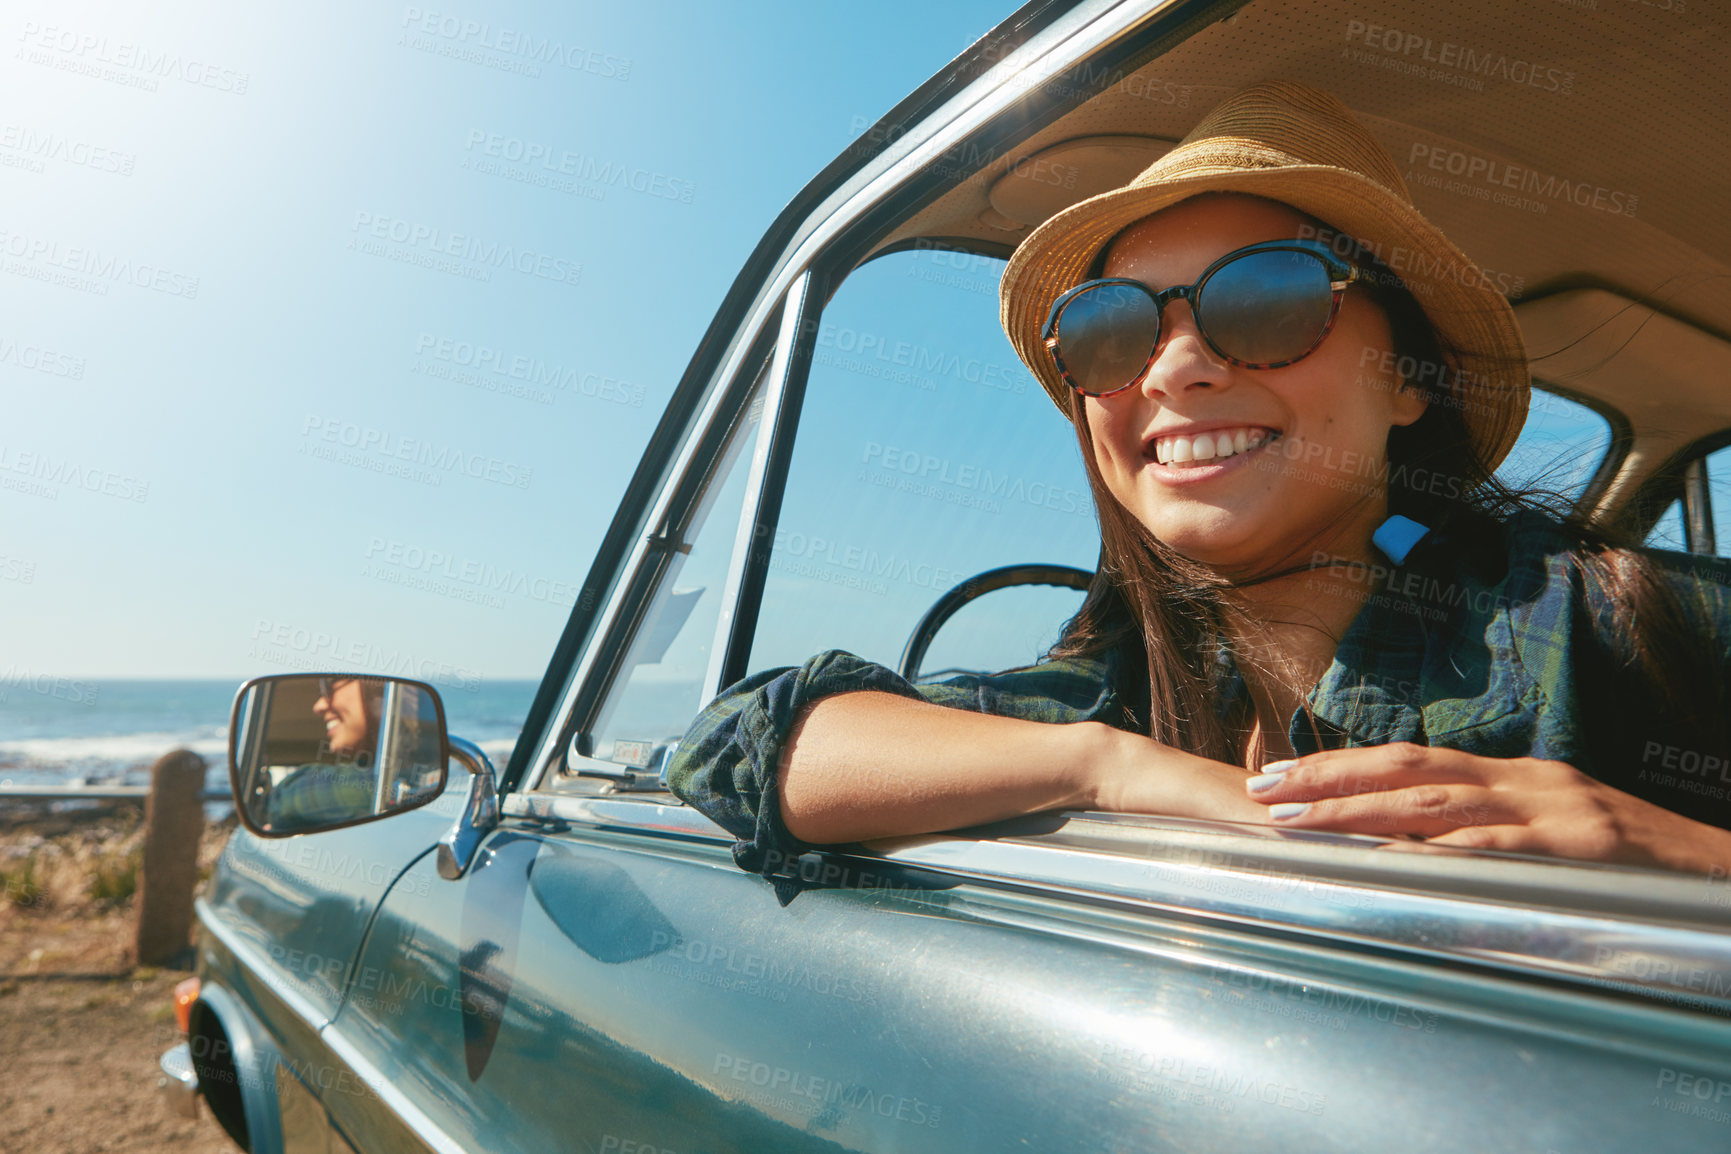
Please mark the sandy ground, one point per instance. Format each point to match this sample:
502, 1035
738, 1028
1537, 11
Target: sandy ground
81, 1025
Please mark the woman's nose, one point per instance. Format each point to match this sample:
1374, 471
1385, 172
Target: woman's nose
1183, 360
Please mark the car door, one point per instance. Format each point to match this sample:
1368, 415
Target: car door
292, 912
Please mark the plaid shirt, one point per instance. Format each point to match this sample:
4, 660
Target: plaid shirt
319, 794
1516, 663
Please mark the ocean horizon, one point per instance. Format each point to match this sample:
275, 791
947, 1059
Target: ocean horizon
56, 731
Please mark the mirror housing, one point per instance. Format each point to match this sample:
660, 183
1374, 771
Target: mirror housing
312, 752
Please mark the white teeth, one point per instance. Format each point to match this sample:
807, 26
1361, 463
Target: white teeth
1181, 449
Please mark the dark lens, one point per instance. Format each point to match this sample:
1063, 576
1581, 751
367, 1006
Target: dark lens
1106, 335
1266, 308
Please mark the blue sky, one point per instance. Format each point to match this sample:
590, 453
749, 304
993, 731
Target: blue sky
330, 339
258, 266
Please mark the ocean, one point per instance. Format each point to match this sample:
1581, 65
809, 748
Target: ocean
58, 731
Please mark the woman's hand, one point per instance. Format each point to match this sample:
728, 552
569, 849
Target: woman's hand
1450, 798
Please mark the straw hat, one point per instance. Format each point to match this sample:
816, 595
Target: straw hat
1298, 145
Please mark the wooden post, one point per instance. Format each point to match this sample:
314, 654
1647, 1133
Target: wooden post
173, 823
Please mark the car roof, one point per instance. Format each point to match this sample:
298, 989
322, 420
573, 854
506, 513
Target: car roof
1600, 132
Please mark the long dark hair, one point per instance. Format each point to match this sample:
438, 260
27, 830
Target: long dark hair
1162, 610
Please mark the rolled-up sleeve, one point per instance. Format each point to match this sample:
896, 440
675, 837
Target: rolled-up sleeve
728, 763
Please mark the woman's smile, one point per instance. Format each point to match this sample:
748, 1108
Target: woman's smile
1193, 457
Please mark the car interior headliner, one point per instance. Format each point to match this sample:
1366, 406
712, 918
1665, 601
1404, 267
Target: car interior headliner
1577, 147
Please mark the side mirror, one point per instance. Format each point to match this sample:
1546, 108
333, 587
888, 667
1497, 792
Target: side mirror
308, 753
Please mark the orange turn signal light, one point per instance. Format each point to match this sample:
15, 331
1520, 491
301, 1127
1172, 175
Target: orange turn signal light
185, 994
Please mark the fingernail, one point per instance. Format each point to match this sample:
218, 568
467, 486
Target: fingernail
1263, 781
1280, 766
1287, 809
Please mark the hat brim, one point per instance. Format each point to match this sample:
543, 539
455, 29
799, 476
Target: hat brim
1472, 318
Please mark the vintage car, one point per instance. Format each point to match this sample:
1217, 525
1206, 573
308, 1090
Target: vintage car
407, 950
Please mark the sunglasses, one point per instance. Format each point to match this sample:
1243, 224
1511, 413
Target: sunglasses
1264, 306
328, 685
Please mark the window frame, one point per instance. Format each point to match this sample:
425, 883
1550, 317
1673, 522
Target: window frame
1684, 478
1689, 475
593, 675
781, 375
1622, 432
742, 595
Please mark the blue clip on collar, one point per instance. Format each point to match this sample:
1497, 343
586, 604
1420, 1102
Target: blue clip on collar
1397, 536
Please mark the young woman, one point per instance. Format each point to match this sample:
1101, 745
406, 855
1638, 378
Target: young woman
1315, 605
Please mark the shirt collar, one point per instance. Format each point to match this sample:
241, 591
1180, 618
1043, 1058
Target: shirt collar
1371, 691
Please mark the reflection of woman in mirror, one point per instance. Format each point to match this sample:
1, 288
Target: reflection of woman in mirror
351, 716
340, 786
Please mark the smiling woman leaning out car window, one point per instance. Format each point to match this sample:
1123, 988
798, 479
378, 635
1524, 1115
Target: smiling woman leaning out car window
1316, 608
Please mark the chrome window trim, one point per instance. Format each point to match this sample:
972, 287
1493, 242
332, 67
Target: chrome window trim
1319, 888
411, 1116
1078, 33
641, 814
750, 508
1575, 947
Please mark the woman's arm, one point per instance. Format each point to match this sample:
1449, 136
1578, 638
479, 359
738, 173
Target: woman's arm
868, 754
866, 765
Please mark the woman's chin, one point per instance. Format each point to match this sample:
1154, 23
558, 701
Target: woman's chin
1217, 539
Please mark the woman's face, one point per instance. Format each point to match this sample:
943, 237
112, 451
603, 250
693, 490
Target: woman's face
1318, 481
344, 713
